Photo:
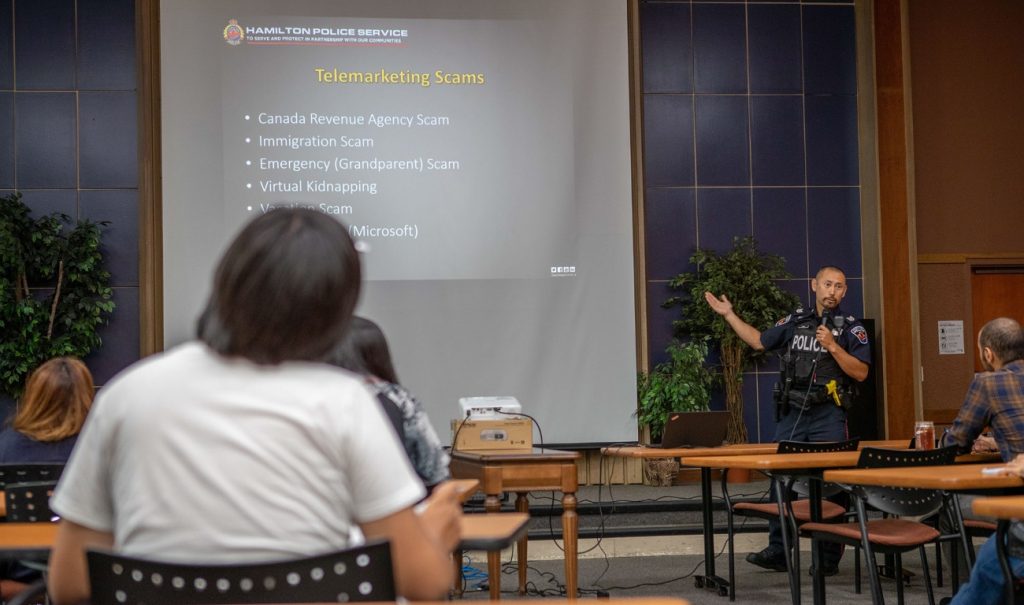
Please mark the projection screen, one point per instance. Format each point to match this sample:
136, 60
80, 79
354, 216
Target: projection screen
478, 152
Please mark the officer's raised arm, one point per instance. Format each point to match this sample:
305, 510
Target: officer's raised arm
748, 333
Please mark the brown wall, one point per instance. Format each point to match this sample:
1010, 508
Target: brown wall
967, 61
968, 98
945, 376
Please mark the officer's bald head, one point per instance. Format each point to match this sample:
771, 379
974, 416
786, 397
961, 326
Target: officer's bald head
1004, 338
825, 268
829, 287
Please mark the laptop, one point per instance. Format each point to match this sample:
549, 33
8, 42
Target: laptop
694, 429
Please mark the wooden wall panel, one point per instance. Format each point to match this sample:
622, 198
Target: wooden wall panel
895, 214
945, 377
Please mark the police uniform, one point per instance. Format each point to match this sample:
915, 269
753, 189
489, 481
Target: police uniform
811, 380
813, 390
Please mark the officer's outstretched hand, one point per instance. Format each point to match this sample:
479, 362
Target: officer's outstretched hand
722, 306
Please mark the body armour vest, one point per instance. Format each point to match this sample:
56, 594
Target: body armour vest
806, 356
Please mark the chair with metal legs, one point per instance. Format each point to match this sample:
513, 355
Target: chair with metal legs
801, 511
893, 535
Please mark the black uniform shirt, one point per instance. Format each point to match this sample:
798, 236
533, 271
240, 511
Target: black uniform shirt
853, 338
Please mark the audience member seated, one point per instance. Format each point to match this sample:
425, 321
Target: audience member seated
50, 413
996, 396
987, 583
243, 446
364, 350
995, 399
44, 428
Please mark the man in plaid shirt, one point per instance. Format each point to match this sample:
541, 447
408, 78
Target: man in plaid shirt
995, 397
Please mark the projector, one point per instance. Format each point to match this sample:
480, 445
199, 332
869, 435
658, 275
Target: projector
489, 407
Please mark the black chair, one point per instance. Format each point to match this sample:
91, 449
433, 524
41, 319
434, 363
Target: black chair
891, 535
29, 502
801, 510
362, 573
33, 593
26, 473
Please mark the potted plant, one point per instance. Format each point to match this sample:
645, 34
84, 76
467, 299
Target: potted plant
749, 279
681, 384
54, 290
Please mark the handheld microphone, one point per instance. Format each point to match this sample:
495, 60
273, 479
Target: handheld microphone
826, 317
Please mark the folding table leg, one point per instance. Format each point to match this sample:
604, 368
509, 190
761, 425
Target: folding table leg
791, 569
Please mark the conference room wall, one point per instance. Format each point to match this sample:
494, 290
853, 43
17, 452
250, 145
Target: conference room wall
750, 127
68, 136
968, 176
765, 126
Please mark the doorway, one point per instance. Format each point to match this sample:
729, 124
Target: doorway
996, 291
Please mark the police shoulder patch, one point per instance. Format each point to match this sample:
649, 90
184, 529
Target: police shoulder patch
860, 333
784, 320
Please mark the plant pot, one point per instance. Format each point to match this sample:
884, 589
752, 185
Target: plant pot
738, 475
660, 472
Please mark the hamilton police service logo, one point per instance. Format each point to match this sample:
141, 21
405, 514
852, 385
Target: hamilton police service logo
233, 33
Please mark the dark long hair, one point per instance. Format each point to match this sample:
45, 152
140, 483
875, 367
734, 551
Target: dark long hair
284, 290
364, 350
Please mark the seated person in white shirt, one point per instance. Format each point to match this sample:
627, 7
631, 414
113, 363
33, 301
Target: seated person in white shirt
240, 446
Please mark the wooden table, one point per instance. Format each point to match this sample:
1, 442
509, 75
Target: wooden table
23, 539
491, 531
521, 472
1000, 507
710, 578
959, 478
738, 449
788, 464
1006, 509
611, 601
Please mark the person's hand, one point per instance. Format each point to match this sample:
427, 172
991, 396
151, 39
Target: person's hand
824, 337
1016, 466
984, 444
441, 515
722, 306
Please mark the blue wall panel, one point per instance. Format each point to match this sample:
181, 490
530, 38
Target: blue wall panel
68, 149
44, 44
774, 146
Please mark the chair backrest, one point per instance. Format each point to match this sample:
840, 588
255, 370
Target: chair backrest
801, 447
25, 473
800, 486
29, 502
362, 573
875, 457
900, 500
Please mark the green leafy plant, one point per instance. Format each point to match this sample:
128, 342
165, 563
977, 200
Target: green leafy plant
681, 384
54, 290
749, 279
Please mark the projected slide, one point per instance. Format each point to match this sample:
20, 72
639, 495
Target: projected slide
425, 136
478, 152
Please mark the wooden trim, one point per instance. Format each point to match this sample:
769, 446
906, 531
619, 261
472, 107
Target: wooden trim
867, 135
960, 258
147, 29
636, 124
895, 221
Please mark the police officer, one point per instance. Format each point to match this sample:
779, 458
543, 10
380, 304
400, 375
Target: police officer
822, 352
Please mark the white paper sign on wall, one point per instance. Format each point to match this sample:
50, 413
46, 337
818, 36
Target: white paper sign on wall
951, 337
